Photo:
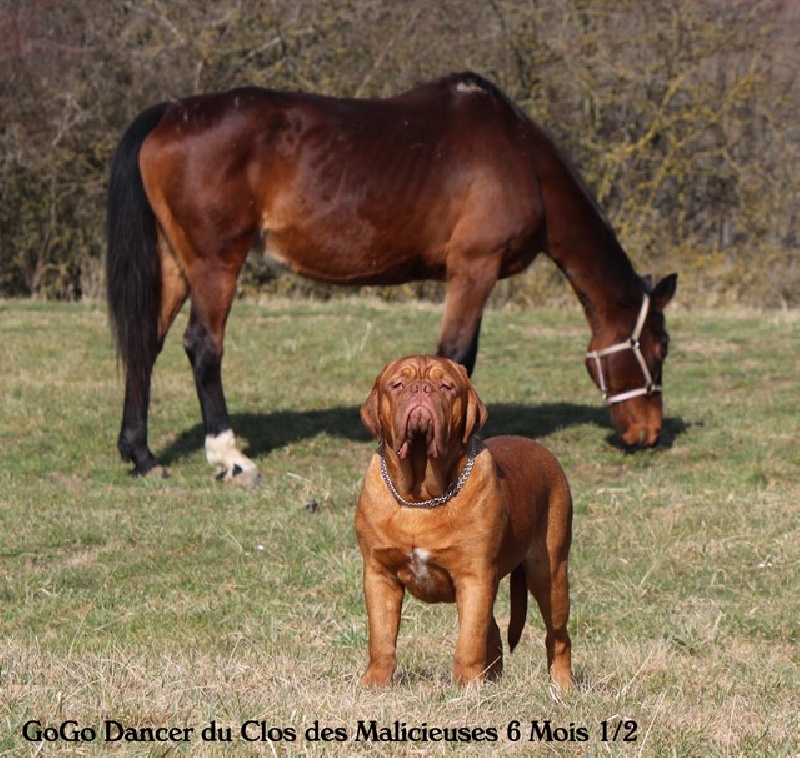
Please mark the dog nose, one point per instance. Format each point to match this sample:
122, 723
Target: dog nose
424, 387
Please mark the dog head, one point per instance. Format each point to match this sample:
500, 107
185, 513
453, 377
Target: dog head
423, 403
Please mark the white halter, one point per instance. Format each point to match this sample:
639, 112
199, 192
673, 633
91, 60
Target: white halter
631, 344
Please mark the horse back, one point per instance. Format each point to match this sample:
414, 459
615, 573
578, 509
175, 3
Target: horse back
348, 190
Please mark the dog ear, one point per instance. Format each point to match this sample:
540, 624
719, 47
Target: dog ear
476, 414
369, 415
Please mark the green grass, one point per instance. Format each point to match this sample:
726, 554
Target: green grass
169, 603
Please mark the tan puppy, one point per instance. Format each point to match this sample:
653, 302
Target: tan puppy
447, 517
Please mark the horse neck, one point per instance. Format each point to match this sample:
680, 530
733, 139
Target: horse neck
581, 242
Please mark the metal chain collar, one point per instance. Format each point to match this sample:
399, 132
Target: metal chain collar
452, 490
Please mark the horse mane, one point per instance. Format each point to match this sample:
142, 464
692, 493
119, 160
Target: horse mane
622, 258
580, 182
468, 82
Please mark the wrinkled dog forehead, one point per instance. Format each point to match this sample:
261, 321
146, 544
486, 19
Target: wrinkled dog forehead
421, 367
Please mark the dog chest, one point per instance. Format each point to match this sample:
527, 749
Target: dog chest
425, 579
420, 573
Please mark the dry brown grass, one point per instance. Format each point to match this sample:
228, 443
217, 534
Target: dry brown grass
164, 603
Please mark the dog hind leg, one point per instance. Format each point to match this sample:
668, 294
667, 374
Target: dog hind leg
549, 586
494, 651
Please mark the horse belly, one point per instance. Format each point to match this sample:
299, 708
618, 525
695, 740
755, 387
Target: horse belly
342, 248
337, 219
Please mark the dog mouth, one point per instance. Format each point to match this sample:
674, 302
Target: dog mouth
418, 426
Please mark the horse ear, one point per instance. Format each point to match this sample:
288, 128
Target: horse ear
664, 291
369, 415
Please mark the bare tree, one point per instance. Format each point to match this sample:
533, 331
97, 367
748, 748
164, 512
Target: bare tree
681, 115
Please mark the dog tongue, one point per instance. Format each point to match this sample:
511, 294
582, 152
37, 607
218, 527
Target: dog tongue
403, 450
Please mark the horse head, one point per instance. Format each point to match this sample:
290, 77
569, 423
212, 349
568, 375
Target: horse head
626, 364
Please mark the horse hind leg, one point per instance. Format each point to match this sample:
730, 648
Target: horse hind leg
174, 289
132, 439
132, 442
212, 297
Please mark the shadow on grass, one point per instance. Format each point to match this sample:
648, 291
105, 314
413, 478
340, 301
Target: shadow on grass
260, 433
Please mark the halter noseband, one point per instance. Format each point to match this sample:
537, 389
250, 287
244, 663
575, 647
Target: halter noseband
630, 344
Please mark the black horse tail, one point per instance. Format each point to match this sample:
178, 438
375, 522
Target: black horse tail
519, 605
133, 270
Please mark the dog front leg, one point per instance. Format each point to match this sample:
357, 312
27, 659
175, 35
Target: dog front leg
384, 597
474, 601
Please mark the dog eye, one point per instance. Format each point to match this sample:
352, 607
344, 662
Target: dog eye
397, 384
446, 386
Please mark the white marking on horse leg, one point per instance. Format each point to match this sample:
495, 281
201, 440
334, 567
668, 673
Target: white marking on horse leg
221, 450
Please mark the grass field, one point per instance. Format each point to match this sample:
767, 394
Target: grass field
172, 603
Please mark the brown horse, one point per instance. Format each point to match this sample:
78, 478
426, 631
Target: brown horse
450, 181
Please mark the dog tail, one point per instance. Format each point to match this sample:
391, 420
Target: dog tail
519, 605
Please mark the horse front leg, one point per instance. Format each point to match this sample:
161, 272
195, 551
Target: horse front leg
467, 291
203, 342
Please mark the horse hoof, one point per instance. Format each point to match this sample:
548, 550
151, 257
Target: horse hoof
245, 478
154, 472
248, 480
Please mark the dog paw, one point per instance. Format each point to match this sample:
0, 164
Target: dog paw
464, 674
375, 677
